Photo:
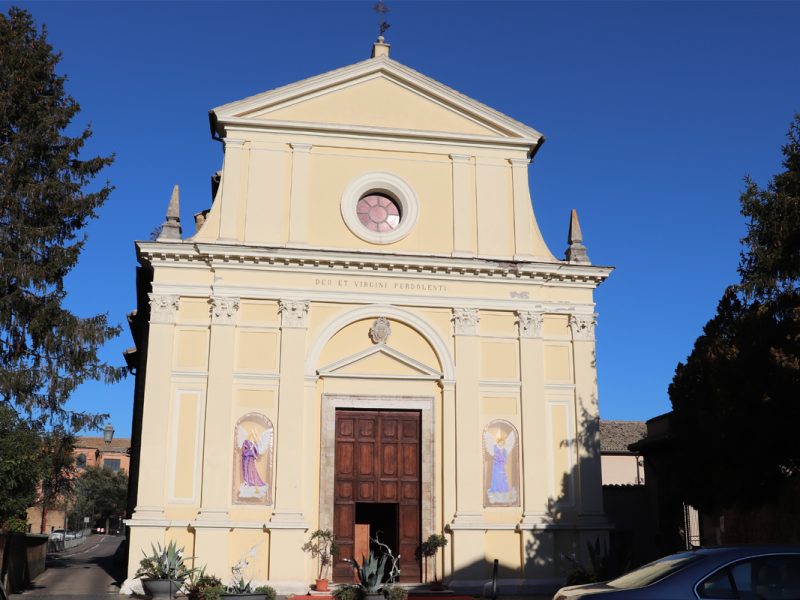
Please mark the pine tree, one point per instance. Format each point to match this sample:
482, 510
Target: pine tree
45, 350
735, 400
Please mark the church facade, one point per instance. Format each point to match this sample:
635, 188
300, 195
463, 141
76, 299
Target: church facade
367, 328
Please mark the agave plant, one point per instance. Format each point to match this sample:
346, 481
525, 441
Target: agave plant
370, 572
163, 563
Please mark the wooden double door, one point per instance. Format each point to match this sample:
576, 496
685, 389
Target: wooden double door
377, 482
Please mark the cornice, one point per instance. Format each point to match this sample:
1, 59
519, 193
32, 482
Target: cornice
199, 255
237, 125
383, 66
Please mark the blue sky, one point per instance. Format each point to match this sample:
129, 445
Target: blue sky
653, 113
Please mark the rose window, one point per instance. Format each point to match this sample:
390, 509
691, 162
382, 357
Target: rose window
378, 212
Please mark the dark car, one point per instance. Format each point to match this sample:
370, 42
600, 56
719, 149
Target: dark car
738, 572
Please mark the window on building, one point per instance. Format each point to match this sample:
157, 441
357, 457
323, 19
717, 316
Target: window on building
81, 461
112, 464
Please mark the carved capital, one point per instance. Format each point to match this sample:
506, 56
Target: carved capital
294, 313
583, 326
163, 308
466, 321
380, 331
530, 323
223, 310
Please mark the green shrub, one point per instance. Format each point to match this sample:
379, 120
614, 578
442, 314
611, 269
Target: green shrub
269, 591
348, 592
395, 592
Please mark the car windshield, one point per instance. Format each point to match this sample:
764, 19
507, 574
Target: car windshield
653, 571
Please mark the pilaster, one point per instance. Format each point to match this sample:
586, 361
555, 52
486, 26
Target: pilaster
232, 192
211, 524
467, 526
288, 523
533, 418
299, 194
590, 497
528, 241
464, 225
155, 415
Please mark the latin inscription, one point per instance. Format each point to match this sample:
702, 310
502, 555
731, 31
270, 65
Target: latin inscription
389, 286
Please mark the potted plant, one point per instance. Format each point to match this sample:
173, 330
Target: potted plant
242, 590
163, 571
322, 546
203, 587
429, 548
370, 575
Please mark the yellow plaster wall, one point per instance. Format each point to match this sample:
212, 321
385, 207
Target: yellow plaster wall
506, 548
556, 327
355, 337
500, 406
194, 311
429, 176
557, 363
191, 349
495, 208
250, 546
377, 102
257, 350
497, 324
185, 421
499, 360
562, 448
258, 312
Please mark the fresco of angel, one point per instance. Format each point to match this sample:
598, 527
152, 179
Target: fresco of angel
499, 441
255, 449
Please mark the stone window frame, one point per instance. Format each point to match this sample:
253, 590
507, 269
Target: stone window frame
386, 184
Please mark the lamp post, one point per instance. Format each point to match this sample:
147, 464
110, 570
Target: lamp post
108, 434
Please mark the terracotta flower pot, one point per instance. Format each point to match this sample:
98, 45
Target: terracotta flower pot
321, 585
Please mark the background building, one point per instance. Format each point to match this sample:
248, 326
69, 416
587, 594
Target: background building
367, 328
89, 452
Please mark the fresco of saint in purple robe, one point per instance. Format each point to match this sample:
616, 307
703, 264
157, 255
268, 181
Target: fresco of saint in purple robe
255, 450
499, 440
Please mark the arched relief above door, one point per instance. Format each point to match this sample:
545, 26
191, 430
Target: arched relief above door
415, 344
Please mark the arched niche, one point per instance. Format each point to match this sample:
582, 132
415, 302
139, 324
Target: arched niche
501, 463
253, 451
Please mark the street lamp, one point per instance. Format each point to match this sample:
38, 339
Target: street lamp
108, 434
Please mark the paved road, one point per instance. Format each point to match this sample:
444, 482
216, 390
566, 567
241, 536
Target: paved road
87, 571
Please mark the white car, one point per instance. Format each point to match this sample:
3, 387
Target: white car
57, 535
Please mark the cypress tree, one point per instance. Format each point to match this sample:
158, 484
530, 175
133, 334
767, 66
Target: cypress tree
46, 200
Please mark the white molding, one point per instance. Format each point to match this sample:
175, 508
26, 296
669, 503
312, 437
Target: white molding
394, 186
328, 261
425, 372
360, 133
393, 71
363, 298
347, 316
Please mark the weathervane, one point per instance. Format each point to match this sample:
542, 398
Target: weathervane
381, 9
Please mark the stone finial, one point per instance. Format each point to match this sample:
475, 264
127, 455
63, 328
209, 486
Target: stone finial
576, 251
380, 48
171, 229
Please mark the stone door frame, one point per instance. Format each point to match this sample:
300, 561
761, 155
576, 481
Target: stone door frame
423, 404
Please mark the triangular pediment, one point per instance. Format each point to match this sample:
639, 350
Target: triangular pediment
380, 361
379, 94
